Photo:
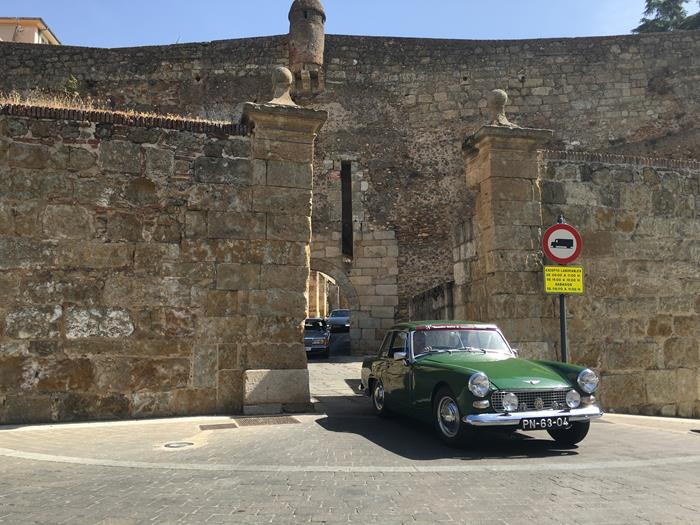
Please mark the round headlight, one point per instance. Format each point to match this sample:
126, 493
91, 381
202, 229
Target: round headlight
510, 402
588, 381
573, 399
479, 384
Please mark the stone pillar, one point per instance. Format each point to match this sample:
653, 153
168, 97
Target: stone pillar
282, 153
498, 269
313, 294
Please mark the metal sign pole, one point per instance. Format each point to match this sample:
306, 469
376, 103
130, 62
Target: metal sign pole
562, 329
562, 315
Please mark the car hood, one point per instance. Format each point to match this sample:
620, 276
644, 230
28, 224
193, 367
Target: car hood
505, 373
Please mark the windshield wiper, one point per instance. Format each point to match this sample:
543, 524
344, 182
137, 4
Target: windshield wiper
472, 349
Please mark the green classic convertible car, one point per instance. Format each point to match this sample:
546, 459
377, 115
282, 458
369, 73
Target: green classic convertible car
461, 376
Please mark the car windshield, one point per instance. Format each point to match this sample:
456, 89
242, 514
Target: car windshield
316, 324
340, 313
464, 340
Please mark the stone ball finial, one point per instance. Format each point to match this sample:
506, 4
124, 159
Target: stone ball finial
282, 81
497, 101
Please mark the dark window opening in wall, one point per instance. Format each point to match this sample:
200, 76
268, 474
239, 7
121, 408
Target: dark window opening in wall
306, 14
346, 193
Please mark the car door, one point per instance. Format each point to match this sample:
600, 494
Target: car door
397, 380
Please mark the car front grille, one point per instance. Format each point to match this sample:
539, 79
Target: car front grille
530, 399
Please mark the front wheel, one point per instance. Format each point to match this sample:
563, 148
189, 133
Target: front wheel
570, 435
447, 418
379, 399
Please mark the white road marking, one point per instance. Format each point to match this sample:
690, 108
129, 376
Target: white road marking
483, 467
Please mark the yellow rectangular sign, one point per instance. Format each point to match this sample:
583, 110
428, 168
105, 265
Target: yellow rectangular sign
563, 279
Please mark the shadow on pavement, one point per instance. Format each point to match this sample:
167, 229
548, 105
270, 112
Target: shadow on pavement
414, 440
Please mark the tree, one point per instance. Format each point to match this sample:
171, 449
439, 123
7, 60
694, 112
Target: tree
662, 16
691, 22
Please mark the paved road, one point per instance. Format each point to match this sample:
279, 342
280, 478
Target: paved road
342, 465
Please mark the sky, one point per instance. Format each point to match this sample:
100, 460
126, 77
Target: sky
126, 23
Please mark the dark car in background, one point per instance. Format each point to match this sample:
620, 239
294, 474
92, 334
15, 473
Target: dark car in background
339, 321
316, 337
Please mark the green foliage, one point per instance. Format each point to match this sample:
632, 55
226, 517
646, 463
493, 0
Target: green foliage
72, 87
663, 16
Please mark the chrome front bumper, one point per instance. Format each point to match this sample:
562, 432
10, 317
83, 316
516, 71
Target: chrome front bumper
513, 419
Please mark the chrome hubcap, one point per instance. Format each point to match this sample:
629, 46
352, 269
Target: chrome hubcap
379, 396
448, 417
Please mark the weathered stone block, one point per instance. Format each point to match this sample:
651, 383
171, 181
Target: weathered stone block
275, 302
216, 250
222, 303
80, 159
94, 255
232, 225
204, 366
124, 227
264, 387
682, 352
230, 388
291, 278
289, 174
195, 224
661, 386
64, 375
119, 156
276, 329
279, 252
622, 391
231, 276
223, 171
272, 199
34, 322
219, 197
288, 228
129, 291
127, 374
279, 356
226, 330
98, 322
34, 156
159, 162
63, 221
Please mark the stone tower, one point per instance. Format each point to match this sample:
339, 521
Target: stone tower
307, 20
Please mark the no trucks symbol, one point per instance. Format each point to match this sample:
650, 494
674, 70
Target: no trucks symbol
562, 243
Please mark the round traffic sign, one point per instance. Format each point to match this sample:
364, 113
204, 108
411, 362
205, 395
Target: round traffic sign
562, 243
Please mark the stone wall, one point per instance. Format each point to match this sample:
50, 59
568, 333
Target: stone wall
401, 107
147, 271
436, 303
639, 320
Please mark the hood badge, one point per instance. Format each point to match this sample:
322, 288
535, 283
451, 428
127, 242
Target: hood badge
533, 381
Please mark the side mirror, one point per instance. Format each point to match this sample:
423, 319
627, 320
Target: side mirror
399, 356
515, 351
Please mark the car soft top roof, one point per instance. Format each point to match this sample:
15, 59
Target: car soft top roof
444, 325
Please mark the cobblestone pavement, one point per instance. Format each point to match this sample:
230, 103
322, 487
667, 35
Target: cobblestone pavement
342, 464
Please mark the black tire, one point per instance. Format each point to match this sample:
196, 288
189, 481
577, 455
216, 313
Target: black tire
326, 354
447, 418
378, 398
570, 435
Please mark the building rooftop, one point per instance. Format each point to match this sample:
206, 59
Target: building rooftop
32, 22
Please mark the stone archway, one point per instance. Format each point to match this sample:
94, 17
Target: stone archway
341, 278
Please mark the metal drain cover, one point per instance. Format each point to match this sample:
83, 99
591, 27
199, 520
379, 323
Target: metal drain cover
218, 427
178, 444
274, 420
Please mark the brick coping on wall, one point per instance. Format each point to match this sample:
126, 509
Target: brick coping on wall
117, 117
609, 158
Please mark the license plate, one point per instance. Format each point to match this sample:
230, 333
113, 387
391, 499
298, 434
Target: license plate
307, 348
543, 423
